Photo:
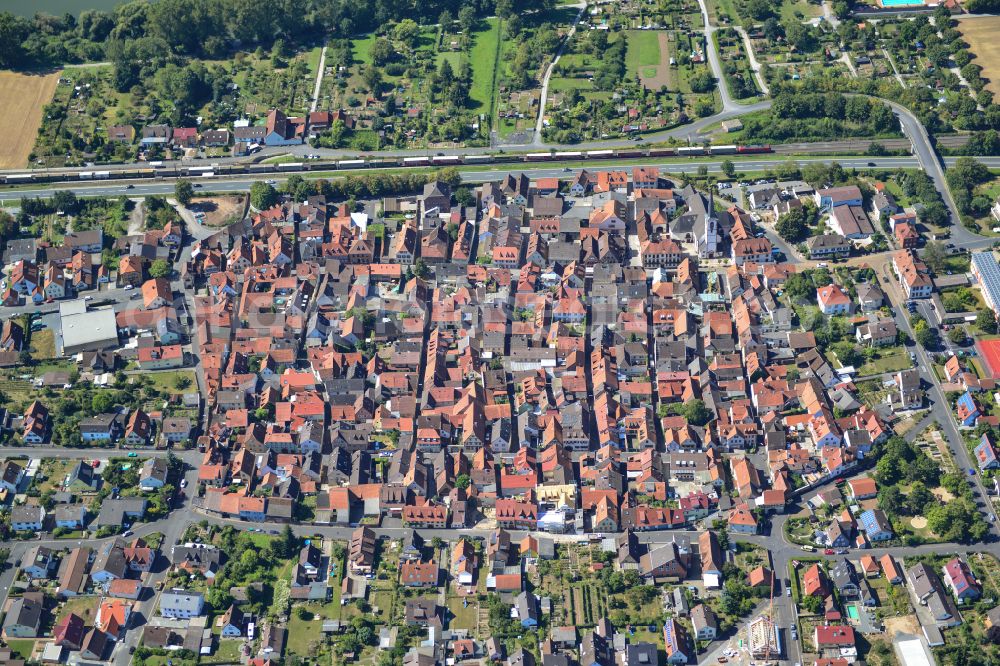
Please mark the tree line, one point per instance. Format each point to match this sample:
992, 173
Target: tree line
208, 28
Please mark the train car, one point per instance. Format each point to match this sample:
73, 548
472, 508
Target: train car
86, 175
19, 178
102, 175
207, 174
258, 168
157, 165
416, 161
724, 150
195, 170
661, 152
292, 166
686, 151
630, 153
569, 155
538, 157
385, 163
600, 154
351, 164
477, 159
747, 150
446, 159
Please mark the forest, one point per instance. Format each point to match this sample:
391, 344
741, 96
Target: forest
139, 31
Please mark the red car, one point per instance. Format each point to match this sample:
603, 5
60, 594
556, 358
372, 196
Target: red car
828, 551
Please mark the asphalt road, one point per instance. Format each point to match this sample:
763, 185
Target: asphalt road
165, 187
173, 527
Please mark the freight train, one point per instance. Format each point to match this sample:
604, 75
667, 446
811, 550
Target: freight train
221, 170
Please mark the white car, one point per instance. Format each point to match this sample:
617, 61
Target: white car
184, 483
129, 286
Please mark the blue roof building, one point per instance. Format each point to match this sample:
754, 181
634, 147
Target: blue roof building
985, 453
876, 525
967, 410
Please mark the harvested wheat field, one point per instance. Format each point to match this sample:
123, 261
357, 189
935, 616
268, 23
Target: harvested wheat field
981, 34
22, 97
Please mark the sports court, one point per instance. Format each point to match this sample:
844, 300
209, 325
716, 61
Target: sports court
989, 350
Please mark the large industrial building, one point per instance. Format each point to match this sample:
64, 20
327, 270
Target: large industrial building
84, 330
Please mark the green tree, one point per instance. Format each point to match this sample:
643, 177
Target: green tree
793, 226
262, 195
986, 321
958, 335
462, 481
467, 19
696, 412
183, 191
935, 255
728, 168
925, 336
102, 402
812, 604
160, 268
65, 201
420, 269
381, 51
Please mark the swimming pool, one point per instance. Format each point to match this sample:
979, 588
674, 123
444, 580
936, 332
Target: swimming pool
852, 611
901, 3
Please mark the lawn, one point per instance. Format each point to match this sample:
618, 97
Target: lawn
43, 344
890, 359
303, 634
463, 617
797, 10
227, 652
22, 647
643, 50
85, 607
483, 57
361, 49
167, 381
54, 472
312, 59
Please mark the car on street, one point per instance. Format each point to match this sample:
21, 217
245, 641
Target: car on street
828, 551
133, 454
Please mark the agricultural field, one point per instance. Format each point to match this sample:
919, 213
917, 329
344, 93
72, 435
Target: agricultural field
981, 35
22, 100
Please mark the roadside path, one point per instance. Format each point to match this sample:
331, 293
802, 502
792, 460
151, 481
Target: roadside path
536, 140
319, 80
754, 63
